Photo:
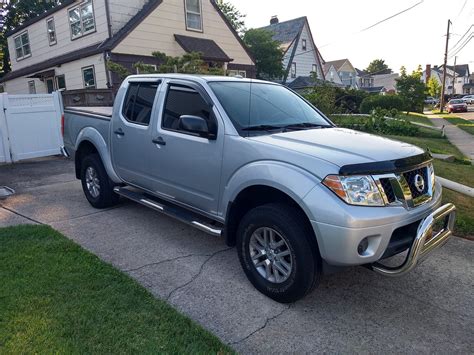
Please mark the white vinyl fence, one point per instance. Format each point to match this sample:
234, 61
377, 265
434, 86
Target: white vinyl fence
30, 126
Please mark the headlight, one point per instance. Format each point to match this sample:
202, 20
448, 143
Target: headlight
355, 190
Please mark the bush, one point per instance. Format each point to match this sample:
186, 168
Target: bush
387, 102
349, 100
377, 124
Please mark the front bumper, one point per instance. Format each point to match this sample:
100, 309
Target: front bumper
425, 242
340, 228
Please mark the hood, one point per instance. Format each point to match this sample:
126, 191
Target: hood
341, 146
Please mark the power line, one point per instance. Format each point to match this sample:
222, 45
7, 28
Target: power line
463, 45
460, 39
390, 17
462, 8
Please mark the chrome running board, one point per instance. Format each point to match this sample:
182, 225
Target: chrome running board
193, 219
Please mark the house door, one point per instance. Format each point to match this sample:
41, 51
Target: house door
50, 85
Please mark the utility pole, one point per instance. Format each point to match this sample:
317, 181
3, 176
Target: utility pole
443, 86
454, 69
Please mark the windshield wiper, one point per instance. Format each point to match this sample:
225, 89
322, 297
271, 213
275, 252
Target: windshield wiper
262, 127
304, 125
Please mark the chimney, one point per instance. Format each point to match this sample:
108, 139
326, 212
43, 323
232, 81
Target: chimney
428, 72
274, 20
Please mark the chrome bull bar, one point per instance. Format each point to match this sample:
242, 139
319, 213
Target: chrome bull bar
425, 242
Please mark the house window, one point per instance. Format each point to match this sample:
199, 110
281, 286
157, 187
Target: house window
31, 87
314, 68
22, 46
304, 44
293, 70
81, 19
193, 15
49, 85
51, 31
61, 82
88, 77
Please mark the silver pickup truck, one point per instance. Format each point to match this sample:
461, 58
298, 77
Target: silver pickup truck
256, 163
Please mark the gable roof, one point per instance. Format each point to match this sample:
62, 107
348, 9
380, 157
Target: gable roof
288, 32
337, 63
304, 82
461, 69
109, 43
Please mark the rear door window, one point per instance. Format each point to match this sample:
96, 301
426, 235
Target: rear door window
138, 102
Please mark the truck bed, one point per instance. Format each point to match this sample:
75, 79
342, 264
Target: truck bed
105, 111
76, 119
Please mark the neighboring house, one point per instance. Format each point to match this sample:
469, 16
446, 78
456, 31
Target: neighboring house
469, 87
330, 73
461, 76
457, 78
345, 71
301, 55
377, 83
67, 47
364, 79
387, 81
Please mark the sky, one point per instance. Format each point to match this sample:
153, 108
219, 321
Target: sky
415, 37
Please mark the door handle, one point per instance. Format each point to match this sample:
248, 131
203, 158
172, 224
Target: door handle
159, 141
119, 132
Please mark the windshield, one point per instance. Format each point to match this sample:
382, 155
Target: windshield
263, 107
456, 102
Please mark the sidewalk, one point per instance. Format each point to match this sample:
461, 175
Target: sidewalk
461, 139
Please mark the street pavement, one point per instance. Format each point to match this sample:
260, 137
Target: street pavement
428, 311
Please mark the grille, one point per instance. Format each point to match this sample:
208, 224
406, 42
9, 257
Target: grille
388, 189
410, 178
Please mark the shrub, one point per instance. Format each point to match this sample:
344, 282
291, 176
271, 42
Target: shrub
387, 102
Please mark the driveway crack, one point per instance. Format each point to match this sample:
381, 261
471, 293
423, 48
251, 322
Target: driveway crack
201, 269
163, 261
22, 215
267, 321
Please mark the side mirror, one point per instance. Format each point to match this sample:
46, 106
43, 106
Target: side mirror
196, 125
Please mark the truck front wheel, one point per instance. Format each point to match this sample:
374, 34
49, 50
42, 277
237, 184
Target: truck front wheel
96, 184
277, 252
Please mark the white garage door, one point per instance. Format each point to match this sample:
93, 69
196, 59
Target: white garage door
31, 126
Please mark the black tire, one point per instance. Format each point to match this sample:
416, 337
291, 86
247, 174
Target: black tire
106, 197
293, 227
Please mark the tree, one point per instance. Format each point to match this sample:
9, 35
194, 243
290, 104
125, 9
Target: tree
411, 89
13, 13
433, 87
267, 53
235, 17
378, 66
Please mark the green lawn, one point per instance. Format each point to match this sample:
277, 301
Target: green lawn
55, 297
416, 117
435, 145
468, 128
457, 171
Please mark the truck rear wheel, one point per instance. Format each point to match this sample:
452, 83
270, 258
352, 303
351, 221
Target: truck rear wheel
96, 184
277, 253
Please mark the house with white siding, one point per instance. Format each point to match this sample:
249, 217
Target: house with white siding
68, 47
301, 55
342, 72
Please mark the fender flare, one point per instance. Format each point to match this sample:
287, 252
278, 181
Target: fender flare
93, 136
289, 179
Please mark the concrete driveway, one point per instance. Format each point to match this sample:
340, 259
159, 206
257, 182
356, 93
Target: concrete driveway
428, 311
